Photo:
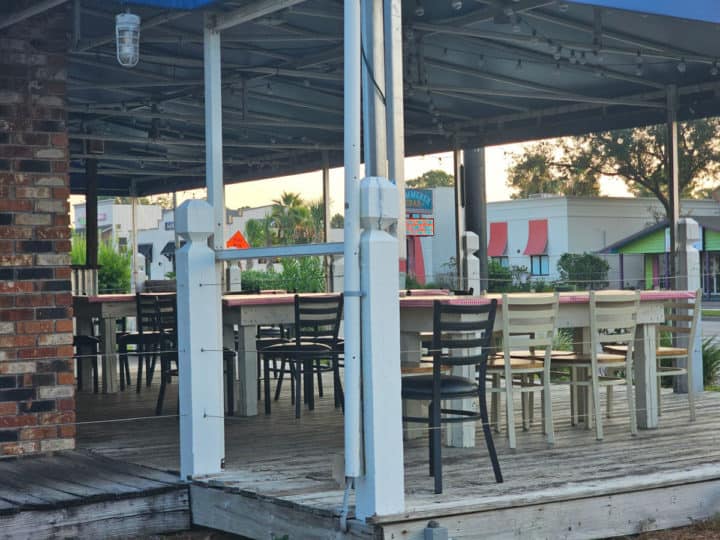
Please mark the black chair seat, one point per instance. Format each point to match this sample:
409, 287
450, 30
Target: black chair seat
306, 349
421, 386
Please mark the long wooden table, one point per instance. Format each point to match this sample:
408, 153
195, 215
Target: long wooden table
248, 311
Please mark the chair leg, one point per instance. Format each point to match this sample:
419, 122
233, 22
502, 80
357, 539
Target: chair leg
547, 410
431, 453
573, 397
437, 448
318, 368
495, 403
488, 436
631, 396
691, 390
163, 383
79, 364
96, 381
338, 388
230, 384
138, 381
266, 383
510, 412
298, 387
309, 390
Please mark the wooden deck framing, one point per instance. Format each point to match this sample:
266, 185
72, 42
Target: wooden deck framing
84, 495
279, 474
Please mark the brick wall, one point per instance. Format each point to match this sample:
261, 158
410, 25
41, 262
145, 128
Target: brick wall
37, 405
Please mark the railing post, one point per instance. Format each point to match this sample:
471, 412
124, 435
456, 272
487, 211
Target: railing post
202, 431
688, 278
380, 490
471, 264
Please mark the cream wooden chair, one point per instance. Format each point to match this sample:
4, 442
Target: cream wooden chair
528, 324
681, 321
613, 319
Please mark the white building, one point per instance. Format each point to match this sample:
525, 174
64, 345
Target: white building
115, 222
536, 232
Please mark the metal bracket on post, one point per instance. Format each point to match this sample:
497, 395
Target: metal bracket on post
200, 364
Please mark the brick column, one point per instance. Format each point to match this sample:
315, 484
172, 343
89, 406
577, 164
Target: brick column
37, 394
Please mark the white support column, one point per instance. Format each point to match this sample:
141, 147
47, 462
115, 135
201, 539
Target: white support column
202, 429
352, 104
213, 132
688, 278
396, 118
380, 491
471, 264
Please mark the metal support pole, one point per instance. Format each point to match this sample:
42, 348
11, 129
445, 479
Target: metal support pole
673, 180
373, 85
351, 285
213, 132
395, 119
476, 206
459, 215
91, 214
327, 262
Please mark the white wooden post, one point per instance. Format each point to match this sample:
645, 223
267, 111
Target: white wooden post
202, 430
380, 490
471, 264
688, 278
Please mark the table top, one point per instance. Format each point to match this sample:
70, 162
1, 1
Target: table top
420, 298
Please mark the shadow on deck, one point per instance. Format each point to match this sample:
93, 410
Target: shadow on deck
279, 473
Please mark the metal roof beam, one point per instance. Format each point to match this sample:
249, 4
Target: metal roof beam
251, 12
633, 41
19, 16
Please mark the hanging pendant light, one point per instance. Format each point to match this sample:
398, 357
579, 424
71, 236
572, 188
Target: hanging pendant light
127, 36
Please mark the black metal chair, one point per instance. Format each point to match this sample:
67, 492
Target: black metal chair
166, 329
317, 324
461, 337
87, 348
145, 340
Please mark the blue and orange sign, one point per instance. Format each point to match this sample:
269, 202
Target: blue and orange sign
419, 227
418, 201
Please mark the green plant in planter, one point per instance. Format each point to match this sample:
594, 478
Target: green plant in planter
115, 269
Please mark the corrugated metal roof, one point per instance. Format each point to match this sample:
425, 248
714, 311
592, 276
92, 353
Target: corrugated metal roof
701, 10
473, 77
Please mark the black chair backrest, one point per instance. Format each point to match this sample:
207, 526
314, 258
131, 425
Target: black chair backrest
166, 309
462, 334
146, 312
317, 317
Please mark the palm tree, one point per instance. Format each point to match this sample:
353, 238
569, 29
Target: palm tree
290, 216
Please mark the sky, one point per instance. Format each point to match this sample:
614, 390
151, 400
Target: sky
309, 185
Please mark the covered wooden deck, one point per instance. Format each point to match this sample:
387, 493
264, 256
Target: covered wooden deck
279, 473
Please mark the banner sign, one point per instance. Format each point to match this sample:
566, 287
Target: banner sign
420, 227
418, 201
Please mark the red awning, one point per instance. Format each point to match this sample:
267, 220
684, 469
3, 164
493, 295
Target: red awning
498, 239
237, 241
537, 237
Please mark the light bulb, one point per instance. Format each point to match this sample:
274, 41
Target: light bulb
456, 4
419, 8
127, 37
715, 69
682, 66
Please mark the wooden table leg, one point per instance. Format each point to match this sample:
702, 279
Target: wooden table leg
110, 375
646, 382
84, 328
246, 395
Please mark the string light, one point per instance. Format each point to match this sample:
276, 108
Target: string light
419, 8
558, 53
516, 24
715, 69
573, 58
456, 5
481, 61
519, 64
583, 58
562, 6
682, 66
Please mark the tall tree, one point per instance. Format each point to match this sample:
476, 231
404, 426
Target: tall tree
574, 165
431, 179
290, 217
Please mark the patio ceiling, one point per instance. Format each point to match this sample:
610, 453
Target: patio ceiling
495, 71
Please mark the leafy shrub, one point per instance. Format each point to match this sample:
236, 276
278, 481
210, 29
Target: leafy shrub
500, 278
114, 273
115, 265
711, 361
302, 274
586, 271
